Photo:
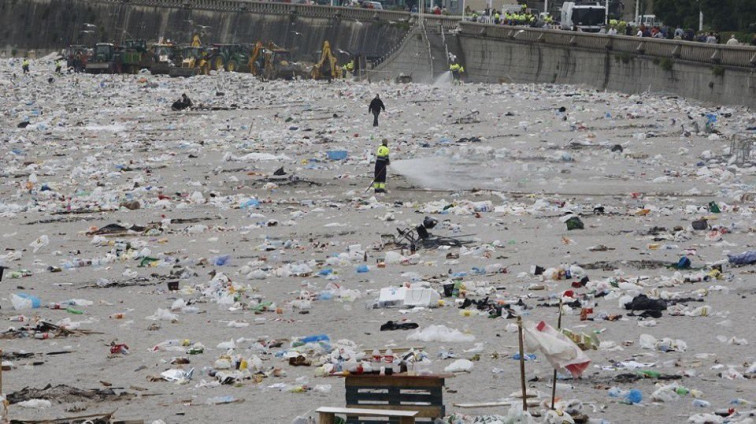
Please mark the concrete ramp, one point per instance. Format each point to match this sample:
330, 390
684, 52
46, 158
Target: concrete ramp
412, 58
423, 53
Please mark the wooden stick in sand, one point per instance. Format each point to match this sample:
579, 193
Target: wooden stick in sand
553, 382
522, 366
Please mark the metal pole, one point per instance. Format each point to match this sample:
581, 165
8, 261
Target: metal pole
700, 18
522, 366
637, 10
463, 10
606, 13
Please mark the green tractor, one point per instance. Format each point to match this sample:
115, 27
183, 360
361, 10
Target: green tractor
231, 57
106, 59
135, 56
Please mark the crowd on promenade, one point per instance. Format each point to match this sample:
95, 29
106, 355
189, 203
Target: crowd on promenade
615, 27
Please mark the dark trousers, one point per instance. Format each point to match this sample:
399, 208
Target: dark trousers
379, 181
375, 117
380, 171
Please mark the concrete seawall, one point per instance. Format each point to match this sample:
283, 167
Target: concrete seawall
54, 24
716, 74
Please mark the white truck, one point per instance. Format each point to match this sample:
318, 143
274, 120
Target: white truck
648, 20
583, 17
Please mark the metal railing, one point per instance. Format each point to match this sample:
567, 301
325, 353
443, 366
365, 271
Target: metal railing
278, 8
743, 56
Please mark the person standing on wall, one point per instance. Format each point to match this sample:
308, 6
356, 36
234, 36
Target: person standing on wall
375, 108
381, 164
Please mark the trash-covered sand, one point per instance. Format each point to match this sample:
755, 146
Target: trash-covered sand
108, 198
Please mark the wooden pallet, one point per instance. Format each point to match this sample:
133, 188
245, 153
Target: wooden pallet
327, 415
423, 394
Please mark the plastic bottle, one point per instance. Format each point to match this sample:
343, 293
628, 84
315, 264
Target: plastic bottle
42, 336
74, 311
616, 392
54, 306
166, 344
116, 316
701, 403
388, 357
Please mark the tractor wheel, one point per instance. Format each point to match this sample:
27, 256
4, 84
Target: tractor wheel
232, 66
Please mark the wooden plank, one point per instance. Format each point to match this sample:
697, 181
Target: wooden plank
366, 412
392, 381
422, 411
531, 402
482, 404
393, 398
395, 389
326, 418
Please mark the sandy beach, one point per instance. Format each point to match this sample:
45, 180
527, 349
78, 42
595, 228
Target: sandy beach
498, 166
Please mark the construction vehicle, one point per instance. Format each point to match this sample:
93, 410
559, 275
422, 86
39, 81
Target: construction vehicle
256, 61
231, 57
194, 61
649, 21
135, 56
164, 57
279, 65
76, 57
106, 58
583, 17
328, 67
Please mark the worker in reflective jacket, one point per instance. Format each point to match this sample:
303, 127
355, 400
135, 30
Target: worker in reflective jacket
381, 163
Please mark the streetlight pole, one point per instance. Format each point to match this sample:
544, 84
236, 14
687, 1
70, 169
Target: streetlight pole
637, 10
606, 13
700, 17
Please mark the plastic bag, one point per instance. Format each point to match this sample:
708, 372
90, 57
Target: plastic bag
440, 333
560, 351
460, 365
39, 243
24, 301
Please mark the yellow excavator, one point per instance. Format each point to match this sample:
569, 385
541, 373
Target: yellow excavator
194, 60
327, 67
256, 60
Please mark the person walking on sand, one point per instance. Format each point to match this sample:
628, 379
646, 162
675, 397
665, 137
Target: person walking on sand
375, 107
25, 66
381, 163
